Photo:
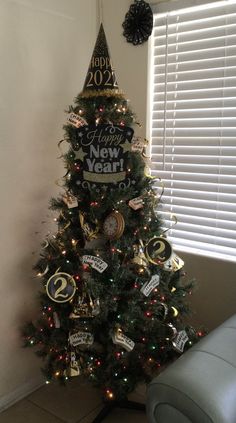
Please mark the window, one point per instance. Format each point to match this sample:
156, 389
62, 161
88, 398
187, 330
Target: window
193, 124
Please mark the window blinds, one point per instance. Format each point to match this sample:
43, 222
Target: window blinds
193, 125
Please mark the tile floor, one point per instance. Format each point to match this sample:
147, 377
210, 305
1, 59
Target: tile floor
77, 403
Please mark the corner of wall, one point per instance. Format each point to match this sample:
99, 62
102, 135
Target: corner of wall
19, 393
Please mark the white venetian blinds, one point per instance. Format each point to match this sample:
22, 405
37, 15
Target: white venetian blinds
193, 125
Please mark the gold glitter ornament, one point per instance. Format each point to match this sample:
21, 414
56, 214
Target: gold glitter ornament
104, 93
86, 307
89, 231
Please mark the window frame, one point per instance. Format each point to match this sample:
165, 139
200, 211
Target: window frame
164, 7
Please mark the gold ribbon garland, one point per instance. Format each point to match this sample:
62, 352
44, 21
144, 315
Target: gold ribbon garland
106, 93
172, 216
59, 146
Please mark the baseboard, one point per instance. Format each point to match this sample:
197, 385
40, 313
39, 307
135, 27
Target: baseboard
21, 392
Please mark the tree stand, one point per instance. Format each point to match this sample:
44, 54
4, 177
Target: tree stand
109, 406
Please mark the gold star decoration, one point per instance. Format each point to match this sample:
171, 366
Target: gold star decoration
126, 146
79, 155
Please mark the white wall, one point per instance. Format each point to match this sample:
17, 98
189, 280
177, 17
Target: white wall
214, 300
45, 49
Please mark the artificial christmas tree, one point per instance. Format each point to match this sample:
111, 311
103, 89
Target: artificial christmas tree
113, 297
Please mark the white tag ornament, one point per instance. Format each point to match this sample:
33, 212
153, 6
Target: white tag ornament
76, 120
174, 264
81, 338
70, 200
95, 262
137, 145
148, 287
120, 339
136, 203
74, 365
180, 341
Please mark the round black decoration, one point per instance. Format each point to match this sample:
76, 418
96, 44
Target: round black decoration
158, 250
138, 22
61, 287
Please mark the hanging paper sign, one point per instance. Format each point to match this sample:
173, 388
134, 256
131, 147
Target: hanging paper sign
180, 341
76, 120
74, 369
81, 338
174, 264
120, 339
61, 287
136, 203
158, 250
95, 262
148, 287
70, 200
103, 151
137, 145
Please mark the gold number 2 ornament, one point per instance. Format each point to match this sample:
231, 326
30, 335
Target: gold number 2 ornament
158, 250
61, 287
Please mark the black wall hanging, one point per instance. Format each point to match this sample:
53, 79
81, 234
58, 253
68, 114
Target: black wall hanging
138, 22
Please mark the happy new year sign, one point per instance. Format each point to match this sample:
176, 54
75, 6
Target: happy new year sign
103, 152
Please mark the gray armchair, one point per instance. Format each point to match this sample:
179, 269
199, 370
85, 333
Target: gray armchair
200, 387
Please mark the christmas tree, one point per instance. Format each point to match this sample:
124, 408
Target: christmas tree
113, 291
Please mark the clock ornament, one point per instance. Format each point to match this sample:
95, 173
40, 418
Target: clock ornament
114, 225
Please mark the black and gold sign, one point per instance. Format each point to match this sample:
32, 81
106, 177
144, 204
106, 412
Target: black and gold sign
100, 76
103, 152
158, 250
61, 287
